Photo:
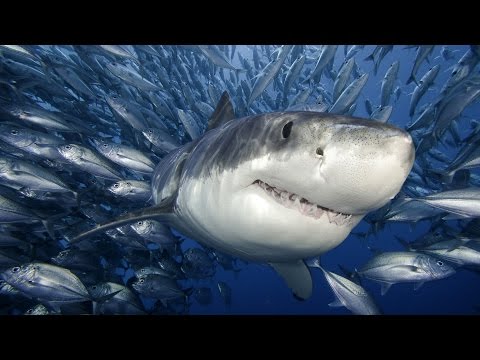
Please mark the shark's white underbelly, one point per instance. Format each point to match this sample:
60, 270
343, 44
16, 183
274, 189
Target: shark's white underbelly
242, 221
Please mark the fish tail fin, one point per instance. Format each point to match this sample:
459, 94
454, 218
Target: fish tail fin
350, 274
374, 250
188, 291
49, 227
314, 262
404, 243
442, 175
402, 197
412, 78
48, 223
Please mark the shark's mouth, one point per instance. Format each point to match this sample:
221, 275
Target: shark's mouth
305, 207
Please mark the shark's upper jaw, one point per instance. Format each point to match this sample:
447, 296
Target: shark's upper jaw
301, 204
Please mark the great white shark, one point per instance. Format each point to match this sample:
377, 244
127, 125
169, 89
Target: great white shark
277, 187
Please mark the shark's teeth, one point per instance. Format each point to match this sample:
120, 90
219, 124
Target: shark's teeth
305, 207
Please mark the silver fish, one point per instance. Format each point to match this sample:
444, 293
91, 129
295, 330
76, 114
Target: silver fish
87, 160
46, 282
394, 267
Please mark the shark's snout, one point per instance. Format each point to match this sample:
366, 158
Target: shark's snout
402, 144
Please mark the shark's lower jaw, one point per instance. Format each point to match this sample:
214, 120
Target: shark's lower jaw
305, 207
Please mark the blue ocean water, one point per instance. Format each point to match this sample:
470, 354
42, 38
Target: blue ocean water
257, 288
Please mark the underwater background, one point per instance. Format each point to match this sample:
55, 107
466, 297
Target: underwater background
110, 92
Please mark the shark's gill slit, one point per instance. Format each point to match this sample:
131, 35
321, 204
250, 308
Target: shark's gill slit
305, 207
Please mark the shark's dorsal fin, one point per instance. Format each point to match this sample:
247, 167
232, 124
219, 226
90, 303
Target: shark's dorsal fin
223, 112
162, 212
297, 276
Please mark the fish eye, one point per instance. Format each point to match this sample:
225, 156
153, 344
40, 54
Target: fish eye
30, 281
439, 263
116, 185
94, 287
129, 183
319, 151
141, 281
105, 145
140, 223
16, 269
14, 132
68, 147
287, 128
29, 311
143, 270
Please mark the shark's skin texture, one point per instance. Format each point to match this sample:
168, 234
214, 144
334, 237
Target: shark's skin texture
279, 187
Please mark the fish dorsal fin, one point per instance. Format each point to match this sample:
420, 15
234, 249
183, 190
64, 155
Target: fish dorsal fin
336, 303
418, 285
297, 276
223, 112
162, 212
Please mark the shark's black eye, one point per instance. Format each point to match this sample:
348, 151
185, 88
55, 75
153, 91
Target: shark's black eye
439, 263
287, 129
319, 151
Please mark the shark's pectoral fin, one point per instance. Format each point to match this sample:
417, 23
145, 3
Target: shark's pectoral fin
297, 276
162, 212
